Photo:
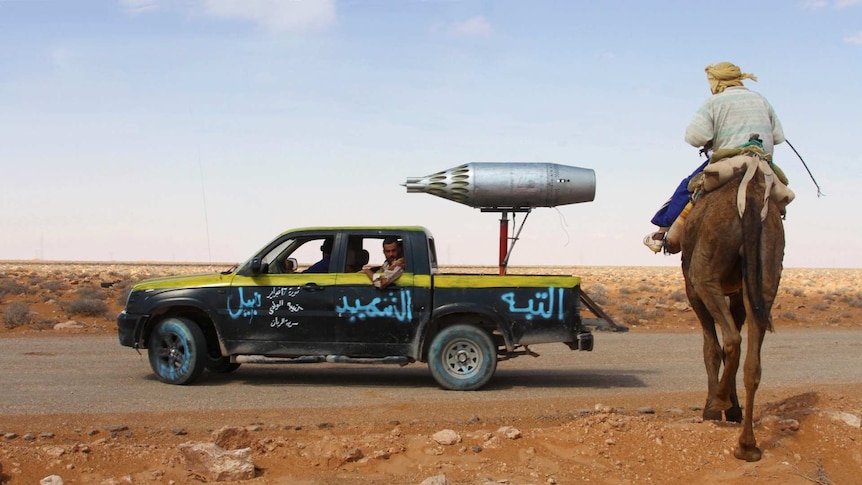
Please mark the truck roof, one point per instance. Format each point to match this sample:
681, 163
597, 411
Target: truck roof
359, 228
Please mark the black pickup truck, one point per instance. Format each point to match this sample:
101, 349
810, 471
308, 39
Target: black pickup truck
267, 310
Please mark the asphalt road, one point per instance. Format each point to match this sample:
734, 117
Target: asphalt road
83, 374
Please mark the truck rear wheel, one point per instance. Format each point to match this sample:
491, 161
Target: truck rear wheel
177, 351
462, 358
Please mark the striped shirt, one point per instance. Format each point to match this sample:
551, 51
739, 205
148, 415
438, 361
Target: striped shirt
730, 117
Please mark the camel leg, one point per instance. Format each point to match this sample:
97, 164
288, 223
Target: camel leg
747, 449
713, 299
737, 309
712, 357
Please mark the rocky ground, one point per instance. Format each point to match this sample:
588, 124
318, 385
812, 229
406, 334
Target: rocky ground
809, 435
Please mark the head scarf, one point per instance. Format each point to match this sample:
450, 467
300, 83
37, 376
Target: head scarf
724, 75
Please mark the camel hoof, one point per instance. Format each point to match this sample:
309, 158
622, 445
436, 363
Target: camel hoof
733, 415
709, 415
747, 454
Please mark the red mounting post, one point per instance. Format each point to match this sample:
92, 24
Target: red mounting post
504, 241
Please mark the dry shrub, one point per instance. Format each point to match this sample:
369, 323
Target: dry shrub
55, 285
599, 293
791, 316
88, 307
678, 296
637, 311
12, 287
45, 323
853, 300
16, 314
35, 279
90, 292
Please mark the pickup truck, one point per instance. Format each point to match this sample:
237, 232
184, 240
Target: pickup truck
266, 310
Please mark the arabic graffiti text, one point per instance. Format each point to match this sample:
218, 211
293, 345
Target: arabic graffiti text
397, 305
545, 304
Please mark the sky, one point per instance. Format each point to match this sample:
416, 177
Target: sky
198, 130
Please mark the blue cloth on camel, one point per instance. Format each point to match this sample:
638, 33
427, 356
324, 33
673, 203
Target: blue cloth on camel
673, 207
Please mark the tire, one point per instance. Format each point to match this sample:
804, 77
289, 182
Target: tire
221, 365
177, 351
462, 358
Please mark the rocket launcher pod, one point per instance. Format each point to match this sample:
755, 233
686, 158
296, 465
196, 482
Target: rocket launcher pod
509, 185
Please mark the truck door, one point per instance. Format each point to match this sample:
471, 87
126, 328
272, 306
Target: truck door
293, 308
285, 307
370, 320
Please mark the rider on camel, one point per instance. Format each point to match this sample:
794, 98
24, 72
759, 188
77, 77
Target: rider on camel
726, 120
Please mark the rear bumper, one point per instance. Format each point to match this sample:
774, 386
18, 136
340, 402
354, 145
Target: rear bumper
129, 328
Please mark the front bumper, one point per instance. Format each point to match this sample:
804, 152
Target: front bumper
129, 328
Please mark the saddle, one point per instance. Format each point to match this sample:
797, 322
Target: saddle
746, 161
724, 166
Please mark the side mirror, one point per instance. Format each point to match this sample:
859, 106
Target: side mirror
290, 265
255, 266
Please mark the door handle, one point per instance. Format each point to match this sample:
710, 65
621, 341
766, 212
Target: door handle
313, 287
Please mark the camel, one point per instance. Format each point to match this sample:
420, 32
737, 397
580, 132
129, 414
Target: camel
732, 267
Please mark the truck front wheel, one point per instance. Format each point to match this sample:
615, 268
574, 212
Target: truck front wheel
462, 358
177, 350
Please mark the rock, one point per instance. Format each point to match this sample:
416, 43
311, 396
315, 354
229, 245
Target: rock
68, 325
510, 432
124, 480
849, 419
352, 455
216, 464
788, 425
54, 451
601, 408
446, 437
436, 480
52, 480
646, 410
232, 438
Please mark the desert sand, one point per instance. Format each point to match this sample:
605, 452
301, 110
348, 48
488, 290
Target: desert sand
809, 435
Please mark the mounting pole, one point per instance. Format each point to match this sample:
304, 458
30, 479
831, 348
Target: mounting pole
504, 240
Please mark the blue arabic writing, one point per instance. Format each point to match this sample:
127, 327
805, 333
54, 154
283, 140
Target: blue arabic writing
541, 306
247, 308
398, 306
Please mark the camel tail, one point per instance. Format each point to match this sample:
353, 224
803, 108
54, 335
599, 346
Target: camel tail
752, 236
